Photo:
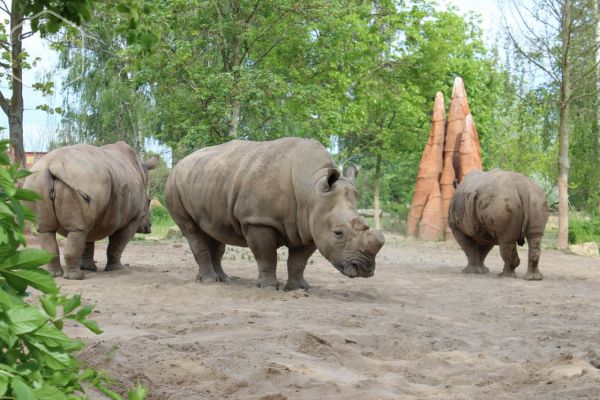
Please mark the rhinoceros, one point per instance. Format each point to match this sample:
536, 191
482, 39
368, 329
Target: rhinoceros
499, 207
89, 193
264, 195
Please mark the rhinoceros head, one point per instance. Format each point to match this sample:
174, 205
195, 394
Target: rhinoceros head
340, 234
145, 222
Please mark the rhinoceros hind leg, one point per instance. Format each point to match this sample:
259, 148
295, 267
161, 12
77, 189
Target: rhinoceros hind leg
509, 254
116, 244
87, 258
200, 244
217, 249
73, 251
263, 244
297, 259
473, 253
535, 250
48, 243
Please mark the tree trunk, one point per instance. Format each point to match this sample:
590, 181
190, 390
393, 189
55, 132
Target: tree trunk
15, 115
376, 193
563, 132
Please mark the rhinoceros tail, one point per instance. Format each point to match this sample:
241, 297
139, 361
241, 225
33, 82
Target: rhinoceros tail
524, 197
57, 172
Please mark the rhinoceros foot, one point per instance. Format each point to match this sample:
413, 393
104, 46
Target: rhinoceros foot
296, 284
505, 274
73, 274
269, 284
88, 266
113, 266
470, 269
207, 278
56, 272
533, 276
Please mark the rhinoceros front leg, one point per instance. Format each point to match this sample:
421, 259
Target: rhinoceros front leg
473, 253
87, 258
535, 250
116, 244
263, 244
48, 243
509, 254
73, 251
217, 249
297, 259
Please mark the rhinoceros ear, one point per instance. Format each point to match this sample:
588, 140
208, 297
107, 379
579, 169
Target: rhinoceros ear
332, 176
151, 163
350, 172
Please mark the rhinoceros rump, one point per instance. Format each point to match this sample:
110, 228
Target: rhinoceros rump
264, 195
89, 193
503, 208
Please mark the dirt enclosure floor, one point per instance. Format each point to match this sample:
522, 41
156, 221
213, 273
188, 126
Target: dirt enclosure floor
418, 329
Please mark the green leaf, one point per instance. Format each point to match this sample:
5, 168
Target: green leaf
5, 210
22, 390
36, 278
27, 258
48, 392
3, 384
7, 182
49, 304
22, 173
6, 335
72, 303
51, 336
27, 195
25, 318
84, 312
92, 326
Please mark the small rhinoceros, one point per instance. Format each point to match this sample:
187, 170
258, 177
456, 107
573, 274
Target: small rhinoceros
89, 193
499, 207
264, 195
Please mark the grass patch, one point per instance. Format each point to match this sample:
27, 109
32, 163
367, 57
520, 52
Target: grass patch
584, 229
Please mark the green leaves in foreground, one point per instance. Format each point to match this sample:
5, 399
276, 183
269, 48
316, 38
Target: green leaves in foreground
36, 356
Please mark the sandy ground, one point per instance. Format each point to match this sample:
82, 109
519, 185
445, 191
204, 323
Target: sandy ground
418, 329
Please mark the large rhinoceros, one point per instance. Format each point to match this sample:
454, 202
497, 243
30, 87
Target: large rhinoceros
89, 193
499, 207
264, 195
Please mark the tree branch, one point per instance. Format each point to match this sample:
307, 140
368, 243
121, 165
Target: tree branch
5, 104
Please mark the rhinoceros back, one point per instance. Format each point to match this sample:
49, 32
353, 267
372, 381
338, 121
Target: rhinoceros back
224, 188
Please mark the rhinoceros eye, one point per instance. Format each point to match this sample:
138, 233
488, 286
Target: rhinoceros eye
338, 234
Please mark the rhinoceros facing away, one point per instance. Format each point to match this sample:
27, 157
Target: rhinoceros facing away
264, 195
499, 207
89, 193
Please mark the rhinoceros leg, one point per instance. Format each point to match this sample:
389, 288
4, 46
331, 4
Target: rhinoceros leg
535, 250
472, 251
87, 258
200, 244
263, 244
509, 254
297, 259
48, 243
217, 249
73, 251
116, 244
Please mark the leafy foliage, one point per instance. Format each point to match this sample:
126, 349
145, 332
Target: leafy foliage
37, 360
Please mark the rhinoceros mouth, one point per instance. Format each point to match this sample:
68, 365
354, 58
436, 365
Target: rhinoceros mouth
357, 268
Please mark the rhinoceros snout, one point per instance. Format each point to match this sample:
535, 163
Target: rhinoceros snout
355, 268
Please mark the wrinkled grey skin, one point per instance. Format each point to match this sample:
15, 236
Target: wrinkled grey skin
264, 195
89, 193
499, 207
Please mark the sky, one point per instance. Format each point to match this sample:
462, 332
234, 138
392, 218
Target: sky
40, 127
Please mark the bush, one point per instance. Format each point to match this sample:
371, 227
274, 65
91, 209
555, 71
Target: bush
582, 230
160, 216
36, 359
157, 179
